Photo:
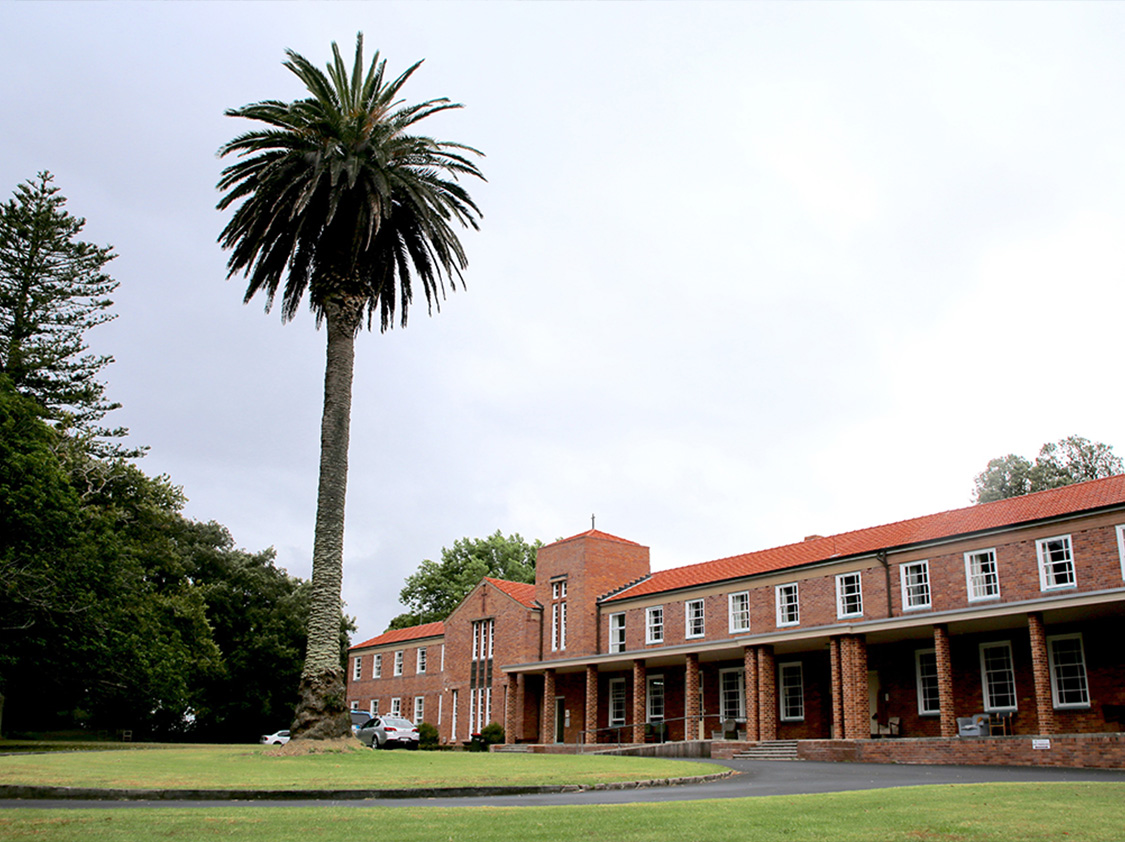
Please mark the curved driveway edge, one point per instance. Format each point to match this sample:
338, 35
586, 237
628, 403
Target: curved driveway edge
72, 793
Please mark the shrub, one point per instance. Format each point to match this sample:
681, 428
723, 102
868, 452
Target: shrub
492, 733
427, 736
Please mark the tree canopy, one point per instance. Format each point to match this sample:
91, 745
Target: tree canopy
338, 200
436, 588
53, 289
1069, 460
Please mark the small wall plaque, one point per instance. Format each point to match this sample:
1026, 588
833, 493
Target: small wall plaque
1040, 745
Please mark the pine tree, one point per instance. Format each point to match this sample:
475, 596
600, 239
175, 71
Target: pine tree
53, 289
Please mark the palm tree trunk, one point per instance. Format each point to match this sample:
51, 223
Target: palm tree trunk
322, 706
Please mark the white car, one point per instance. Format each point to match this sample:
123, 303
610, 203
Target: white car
278, 739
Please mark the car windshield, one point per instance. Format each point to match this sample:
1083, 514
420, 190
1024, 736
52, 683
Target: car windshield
397, 723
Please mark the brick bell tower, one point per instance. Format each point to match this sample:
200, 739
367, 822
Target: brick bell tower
570, 575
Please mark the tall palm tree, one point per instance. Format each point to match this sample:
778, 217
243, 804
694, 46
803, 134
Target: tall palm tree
342, 201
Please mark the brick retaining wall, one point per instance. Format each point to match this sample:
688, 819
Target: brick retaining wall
1106, 751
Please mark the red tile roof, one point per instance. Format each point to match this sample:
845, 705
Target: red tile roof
399, 635
1071, 499
519, 591
595, 533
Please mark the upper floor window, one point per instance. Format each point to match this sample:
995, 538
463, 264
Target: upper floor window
1068, 671
357, 669
558, 626
788, 605
1056, 563
998, 676
654, 624
738, 605
929, 701
483, 633
915, 581
398, 661
558, 589
693, 618
377, 672
791, 686
1121, 547
617, 632
981, 579
421, 659
849, 595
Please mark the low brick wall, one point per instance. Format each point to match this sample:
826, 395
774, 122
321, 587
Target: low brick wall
1102, 751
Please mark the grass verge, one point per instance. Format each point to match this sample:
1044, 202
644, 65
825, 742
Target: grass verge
252, 767
1082, 812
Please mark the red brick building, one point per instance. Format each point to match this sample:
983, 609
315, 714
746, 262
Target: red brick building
1013, 609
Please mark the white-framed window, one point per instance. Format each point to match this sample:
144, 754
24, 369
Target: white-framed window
377, 669
421, 659
374, 707
442, 667
732, 694
617, 632
357, 669
693, 618
655, 698
558, 589
981, 579
788, 604
453, 715
483, 633
1056, 563
354, 704
738, 609
998, 676
1121, 547
396, 706
849, 595
419, 709
925, 667
617, 702
791, 687
915, 582
1067, 660
554, 627
654, 624
399, 658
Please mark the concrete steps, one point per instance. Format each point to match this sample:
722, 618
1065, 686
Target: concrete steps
770, 750
515, 748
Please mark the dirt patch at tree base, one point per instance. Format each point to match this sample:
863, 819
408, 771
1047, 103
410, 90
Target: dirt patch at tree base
301, 748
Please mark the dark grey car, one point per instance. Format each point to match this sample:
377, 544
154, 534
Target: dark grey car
388, 732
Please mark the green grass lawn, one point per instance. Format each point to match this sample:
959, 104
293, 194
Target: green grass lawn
250, 767
962, 813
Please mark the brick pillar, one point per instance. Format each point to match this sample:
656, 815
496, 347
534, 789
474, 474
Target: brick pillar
945, 681
750, 686
767, 694
857, 708
639, 690
510, 709
1041, 672
547, 727
836, 668
591, 726
691, 697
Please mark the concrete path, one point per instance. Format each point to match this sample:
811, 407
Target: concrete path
755, 778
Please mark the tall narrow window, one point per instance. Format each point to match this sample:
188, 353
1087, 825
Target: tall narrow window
929, 702
738, 605
419, 709
693, 618
998, 676
849, 595
377, 672
558, 615
1056, 563
1068, 671
655, 698
421, 659
981, 579
792, 690
374, 707
396, 706
616, 702
617, 632
453, 715
357, 669
654, 624
398, 662
788, 605
915, 581
1121, 548
732, 697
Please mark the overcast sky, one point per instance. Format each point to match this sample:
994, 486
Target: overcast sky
747, 271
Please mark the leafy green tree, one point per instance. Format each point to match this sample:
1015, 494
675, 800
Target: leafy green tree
53, 289
337, 198
435, 589
1070, 460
